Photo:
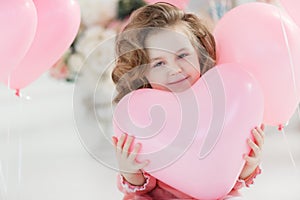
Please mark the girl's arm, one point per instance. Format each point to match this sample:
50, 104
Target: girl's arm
131, 178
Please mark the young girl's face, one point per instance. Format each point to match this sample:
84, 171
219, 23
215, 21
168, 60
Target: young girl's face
174, 62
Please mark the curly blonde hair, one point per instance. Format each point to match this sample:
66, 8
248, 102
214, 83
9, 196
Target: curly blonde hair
132, 57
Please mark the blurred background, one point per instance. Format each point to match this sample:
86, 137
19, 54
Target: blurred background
55, 137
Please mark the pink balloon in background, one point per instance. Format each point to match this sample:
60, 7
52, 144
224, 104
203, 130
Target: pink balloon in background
182, 4
18, 21
269, 49
292, 8
58, 23
187, 136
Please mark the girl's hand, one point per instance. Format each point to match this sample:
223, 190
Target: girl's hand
254, 157
129, 168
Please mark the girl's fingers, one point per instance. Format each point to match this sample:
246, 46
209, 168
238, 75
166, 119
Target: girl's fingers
262, 127
250, 160
135, 151
120, 143
254, 147
258, 138
133, 155
115, 141
143, 164
127, 145
261, 132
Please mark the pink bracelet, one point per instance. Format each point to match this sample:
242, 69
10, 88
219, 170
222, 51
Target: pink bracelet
134, 188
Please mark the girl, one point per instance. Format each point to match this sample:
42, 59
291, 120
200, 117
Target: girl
170, 59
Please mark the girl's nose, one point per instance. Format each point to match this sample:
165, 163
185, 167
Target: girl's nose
175, 69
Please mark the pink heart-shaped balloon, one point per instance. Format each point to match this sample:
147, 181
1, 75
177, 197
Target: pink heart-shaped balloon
195, 139
58, 24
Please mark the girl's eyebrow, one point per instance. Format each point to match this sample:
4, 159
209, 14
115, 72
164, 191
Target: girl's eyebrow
182, 49
159, 58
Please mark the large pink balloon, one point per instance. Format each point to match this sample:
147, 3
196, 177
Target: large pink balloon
260, 44
191, 134
18, 21
58, 23
292, 7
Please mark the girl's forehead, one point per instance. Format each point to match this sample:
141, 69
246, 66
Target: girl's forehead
168, 40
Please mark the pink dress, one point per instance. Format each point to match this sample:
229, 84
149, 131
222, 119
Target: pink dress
154, 189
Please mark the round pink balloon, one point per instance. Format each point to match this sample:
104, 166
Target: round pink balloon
58, 24
195, 132
18, 21
269, 49
292, 8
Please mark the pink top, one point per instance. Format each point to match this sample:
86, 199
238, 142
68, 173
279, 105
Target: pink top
154, 189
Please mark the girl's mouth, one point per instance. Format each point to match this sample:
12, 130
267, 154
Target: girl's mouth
179, 80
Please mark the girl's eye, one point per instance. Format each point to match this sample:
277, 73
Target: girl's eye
158, 64
182, 55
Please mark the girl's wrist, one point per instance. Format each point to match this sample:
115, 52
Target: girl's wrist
247, 171
137, 178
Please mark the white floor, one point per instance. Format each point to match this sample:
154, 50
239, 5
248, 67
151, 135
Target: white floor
42, 157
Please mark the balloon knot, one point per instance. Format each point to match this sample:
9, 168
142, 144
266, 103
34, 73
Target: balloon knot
17, 92
280, 127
